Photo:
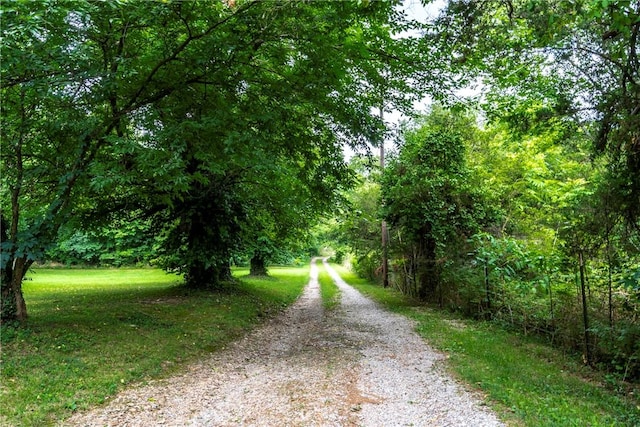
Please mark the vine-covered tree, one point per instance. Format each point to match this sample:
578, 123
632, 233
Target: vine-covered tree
427, 194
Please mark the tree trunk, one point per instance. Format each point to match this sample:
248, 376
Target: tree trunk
385, 255
551, 308
414, 271
12, 303
487, 287
258, 265
385, 233
428, 275
8, 303
224, 273
207, 255
585, 314
610, 283
200, 276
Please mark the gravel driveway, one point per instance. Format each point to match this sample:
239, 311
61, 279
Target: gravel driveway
356, 365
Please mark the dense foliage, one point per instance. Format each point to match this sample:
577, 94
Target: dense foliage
530, 219
194, 133
186, 116
428, 197
510, 226
575, 60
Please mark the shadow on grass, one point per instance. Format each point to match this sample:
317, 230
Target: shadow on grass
88, 337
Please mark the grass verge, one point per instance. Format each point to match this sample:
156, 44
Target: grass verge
329, 291
527, 382
91, 332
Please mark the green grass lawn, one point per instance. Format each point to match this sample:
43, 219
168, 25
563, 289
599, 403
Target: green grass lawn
92, 332
527, 382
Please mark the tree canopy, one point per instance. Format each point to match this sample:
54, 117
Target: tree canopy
183, 112
576, 60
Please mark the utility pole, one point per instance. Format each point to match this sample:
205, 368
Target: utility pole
385, 234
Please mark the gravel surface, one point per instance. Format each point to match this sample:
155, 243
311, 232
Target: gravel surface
356, 365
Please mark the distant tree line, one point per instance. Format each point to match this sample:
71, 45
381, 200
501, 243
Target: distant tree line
134, 244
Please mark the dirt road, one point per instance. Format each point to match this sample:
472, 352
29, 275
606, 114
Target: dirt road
356, 365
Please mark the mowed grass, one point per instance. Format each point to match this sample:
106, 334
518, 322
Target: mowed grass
329, 291
92, 332
528, 383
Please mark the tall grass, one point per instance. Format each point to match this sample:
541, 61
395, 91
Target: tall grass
92, 332
526, 381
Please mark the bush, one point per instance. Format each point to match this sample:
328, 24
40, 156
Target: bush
339, 255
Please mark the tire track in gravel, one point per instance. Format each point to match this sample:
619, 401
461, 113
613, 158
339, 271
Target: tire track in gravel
356, 365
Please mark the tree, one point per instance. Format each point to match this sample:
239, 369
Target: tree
576, 64
358, 227
427, 195
283, 209
170, 108
77, 76
579, 57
